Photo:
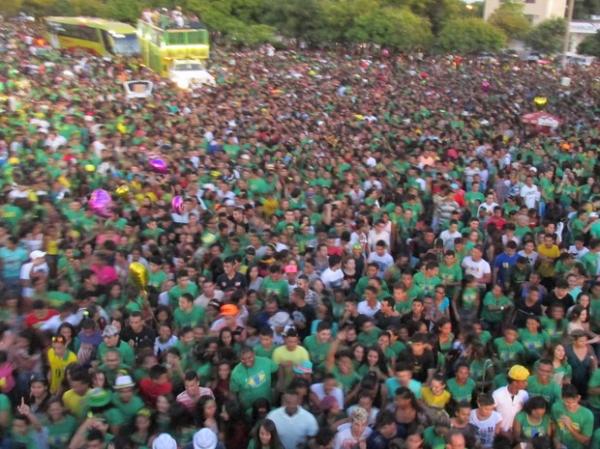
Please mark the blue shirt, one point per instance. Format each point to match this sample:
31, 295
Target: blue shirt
504, 264
12, 261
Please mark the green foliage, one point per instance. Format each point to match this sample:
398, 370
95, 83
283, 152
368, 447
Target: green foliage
583, 9
401, 24
470, 35
548, 36
590, 45
509, 17
392, 27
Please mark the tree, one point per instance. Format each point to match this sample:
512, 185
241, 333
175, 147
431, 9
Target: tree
583, 9
470, 35
590, 45
548, 36
438, 12
393, 27
11, 8
299, 19
509, 17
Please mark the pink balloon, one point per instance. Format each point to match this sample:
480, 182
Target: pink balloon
159, 165
485, 85
100, 202
177, 204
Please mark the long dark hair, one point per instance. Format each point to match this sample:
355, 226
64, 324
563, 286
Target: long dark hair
269, 426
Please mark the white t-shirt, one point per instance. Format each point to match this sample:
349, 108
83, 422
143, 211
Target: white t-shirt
448, 238
364, 308
296, 429
25, 275
508, 405
486, 429
476, 269
337, 393
345, 440
332, 278
530, 195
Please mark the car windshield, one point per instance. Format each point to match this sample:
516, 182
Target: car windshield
188, 66
127, 45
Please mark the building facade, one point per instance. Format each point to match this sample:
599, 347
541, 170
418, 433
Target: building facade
535, 10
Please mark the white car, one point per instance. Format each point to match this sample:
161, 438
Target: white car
190, 74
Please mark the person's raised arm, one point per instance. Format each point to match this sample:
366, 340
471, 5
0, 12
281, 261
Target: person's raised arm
330, 359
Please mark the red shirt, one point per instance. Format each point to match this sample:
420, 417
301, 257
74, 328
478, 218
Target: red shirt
31, 320
150, 390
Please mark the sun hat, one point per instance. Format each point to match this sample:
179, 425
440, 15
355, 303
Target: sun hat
124, 381
518, 372
37, 254
164, 441
205, 439
98, 397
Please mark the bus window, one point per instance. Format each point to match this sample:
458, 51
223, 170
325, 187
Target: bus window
125, 44
197, 37
107, 42
121, 44
79, 32
176, 38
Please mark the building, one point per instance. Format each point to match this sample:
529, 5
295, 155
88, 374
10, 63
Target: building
535, 10
579, 30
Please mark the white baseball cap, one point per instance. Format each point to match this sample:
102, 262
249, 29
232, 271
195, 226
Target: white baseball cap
205, 439
37, 254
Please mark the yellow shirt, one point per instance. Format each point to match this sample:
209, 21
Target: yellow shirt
74, 403
297, 356
57, 368
432, 400
546, 269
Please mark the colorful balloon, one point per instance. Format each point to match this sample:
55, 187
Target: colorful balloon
138, 275
122, 191
485, 85
159, 165
89, 168
540, 102
100, 202
177, 204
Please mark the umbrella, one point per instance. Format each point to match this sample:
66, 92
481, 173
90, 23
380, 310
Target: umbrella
541, 119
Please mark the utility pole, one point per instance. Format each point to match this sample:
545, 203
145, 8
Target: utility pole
570, 7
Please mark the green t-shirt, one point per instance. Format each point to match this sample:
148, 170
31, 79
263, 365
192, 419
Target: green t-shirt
280, 288
157, 279
346, 380
253, 383
450, 274
426, 284
508, 352
128, 409
594, 382
177, 291
127, 354
533, 343
596, 440
190, 318
317, 351
489, 300
551, 391
582, 419
461, 393
530, 430
261, 351
60, 432
432, 439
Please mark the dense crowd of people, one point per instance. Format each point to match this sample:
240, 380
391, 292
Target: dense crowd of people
321, 251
